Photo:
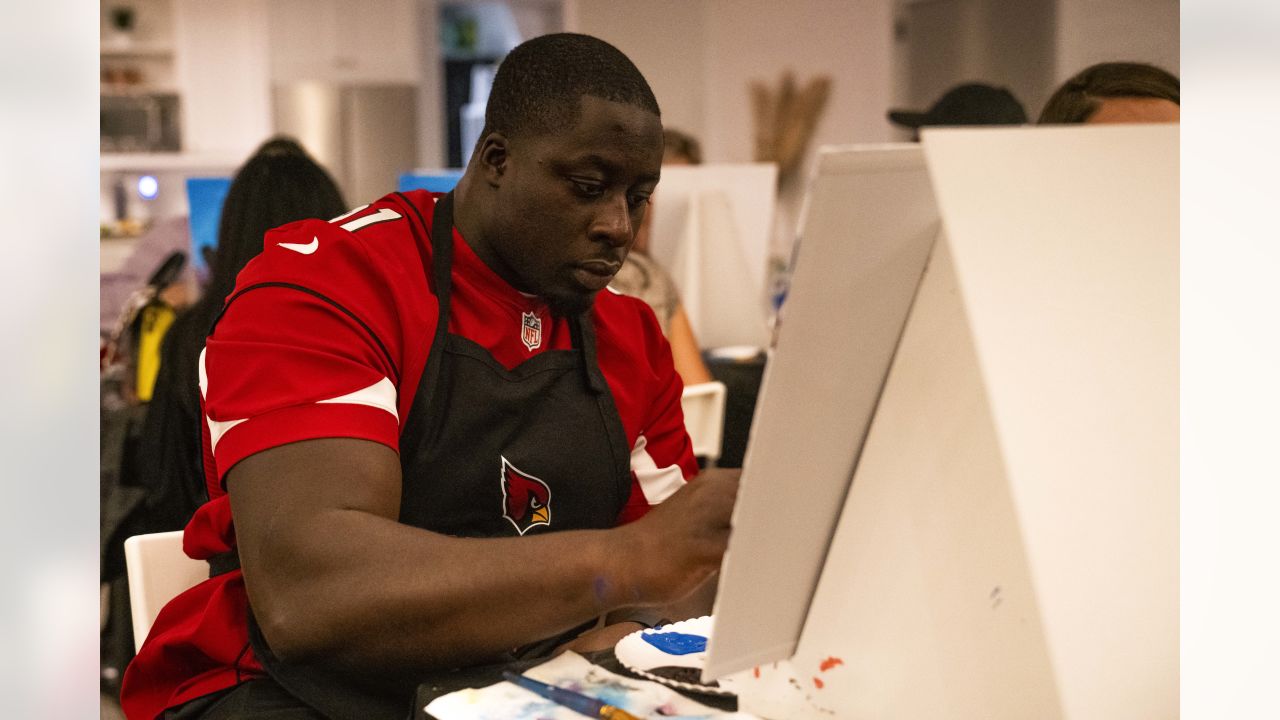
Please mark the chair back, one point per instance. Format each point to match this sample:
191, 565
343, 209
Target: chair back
703, 406
158, 570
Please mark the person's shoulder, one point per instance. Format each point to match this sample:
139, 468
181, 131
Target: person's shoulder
624, 319
614, 304
366, 264
373, 243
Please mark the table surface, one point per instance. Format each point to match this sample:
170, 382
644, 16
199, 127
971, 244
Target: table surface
486, 675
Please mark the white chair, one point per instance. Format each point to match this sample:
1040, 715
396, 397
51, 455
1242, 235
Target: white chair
158, 570
703, 406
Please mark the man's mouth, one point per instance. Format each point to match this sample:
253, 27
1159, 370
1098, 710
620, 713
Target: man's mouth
596, 274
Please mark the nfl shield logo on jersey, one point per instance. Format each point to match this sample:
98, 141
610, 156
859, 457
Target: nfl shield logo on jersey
531, 330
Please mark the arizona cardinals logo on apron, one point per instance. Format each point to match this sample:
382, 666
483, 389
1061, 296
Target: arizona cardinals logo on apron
526, 500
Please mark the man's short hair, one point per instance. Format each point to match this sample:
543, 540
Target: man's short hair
1079, 97
539, 85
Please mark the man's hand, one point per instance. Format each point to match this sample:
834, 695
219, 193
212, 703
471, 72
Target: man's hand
670, 551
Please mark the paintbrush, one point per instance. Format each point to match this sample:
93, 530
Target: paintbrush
575, 701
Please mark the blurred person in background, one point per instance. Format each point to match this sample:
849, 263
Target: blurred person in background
279, 184
644, 278
1115, 92
967, 104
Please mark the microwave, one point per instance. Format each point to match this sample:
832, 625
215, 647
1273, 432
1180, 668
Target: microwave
143, 122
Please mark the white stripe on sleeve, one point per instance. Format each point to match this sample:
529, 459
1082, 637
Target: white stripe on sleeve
657, 483
216, 429
381, 395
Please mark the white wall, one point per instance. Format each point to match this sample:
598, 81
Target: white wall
699, 56
431, 129
1093, 31
850, 40
1006, 43
222, 71
666, 39
1022, 45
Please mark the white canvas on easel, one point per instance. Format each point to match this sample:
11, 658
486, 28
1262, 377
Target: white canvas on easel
862, 251
1008, 545
711, 230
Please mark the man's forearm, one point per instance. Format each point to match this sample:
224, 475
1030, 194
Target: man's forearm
363, 606
333, 577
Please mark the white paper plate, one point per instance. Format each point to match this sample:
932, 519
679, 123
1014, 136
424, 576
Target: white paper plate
644, 651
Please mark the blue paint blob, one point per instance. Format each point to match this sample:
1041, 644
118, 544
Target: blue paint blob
674, 643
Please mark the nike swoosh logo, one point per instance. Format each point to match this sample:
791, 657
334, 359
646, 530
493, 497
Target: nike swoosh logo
305, 249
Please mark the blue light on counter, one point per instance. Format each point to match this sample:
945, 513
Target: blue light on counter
148, 187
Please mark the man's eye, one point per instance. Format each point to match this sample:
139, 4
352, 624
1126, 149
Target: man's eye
638, 201
587, 188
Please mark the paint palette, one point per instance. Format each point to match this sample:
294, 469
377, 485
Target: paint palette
672, 655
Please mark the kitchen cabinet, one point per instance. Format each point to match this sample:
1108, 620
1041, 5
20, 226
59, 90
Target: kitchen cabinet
337, 41
221, 69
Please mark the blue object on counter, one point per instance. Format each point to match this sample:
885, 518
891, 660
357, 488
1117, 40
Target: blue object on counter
440, 182
205, 196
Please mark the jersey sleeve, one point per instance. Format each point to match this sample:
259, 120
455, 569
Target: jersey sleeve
662, 457
307, 347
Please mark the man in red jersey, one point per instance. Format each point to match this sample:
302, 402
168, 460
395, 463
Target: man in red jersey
431, 440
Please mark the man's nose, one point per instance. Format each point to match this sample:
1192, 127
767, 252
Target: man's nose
612, 223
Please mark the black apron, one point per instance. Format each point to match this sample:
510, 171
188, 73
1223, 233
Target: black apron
489, 452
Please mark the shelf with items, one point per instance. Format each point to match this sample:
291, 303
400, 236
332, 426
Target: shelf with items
140, 105
110, 90
136, 48
139, 50
136, 26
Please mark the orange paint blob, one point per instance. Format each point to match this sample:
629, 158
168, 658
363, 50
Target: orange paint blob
756, 672
830, 663
817, 682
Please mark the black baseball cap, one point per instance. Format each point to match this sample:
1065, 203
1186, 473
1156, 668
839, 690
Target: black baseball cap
969, 104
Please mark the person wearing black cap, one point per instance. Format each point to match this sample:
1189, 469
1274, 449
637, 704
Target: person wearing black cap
968, 104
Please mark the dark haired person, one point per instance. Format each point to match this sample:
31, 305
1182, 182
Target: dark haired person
1115, 92
965, 104
278, 184
440, 444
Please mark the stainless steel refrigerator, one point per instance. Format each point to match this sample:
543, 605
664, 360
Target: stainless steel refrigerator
365, 135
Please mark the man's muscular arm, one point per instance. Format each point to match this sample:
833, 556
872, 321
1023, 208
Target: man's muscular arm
334, 578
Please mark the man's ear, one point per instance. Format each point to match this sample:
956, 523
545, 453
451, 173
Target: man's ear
493, 157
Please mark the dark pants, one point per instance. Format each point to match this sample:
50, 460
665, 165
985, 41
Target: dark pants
261, 698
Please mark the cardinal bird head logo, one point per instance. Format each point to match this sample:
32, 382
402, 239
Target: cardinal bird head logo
526, 500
